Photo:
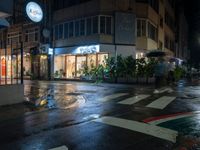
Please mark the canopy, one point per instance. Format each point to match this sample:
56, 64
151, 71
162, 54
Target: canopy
4, 22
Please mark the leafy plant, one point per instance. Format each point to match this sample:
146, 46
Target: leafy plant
178, 73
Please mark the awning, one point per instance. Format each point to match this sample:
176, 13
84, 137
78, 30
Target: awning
4, 22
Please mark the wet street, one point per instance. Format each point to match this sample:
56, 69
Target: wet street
87, 116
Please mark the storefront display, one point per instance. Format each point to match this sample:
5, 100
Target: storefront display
6, 72
72, 66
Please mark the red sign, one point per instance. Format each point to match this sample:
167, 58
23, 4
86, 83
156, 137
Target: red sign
3, 66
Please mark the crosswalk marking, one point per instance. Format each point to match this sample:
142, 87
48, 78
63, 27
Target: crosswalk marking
148, 129
161, 102
167, 89
133, 100
113, 96
60, 148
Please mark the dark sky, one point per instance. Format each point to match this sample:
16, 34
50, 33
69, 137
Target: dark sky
192, 10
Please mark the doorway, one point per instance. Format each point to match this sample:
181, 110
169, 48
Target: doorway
80, 64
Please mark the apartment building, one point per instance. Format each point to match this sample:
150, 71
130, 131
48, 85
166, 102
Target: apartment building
87, 31
155, 26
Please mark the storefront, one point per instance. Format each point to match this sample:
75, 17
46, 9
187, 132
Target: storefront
71, 66
70, 62
34, 66
10, 67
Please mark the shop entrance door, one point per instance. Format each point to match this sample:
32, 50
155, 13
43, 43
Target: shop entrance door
70, 66
80, 64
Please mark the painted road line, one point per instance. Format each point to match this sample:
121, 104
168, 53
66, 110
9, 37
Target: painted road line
161, 119
60, 148
113, 96
133, 100
159, 132
167, 89
161, 102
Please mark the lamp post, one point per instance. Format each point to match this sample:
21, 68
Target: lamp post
22, 61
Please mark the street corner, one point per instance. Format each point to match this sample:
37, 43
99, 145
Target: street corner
187, 126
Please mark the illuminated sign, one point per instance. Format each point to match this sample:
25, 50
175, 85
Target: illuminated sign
87, 49
50, 52
34, 11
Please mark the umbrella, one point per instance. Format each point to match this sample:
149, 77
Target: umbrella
173, 59
156, 53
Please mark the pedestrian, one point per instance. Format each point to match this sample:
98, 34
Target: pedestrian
160, 74
171, 69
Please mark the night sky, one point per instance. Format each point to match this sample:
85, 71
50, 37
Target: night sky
192, 11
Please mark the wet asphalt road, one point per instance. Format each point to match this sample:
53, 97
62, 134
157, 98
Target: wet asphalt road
67, 112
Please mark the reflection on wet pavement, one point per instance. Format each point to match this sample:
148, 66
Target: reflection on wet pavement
49, 95
41, 94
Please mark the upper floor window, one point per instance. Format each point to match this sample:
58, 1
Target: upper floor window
66, 31
89, 26
95, 24
71, 29
82, 27
77, 28
56, 33
161, 21
105, 25
60, 35
141, 27
169, 20
85, 26
152, 32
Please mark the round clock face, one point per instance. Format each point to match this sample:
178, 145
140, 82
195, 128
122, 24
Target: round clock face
34, 11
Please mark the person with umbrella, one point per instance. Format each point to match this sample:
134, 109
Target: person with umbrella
160, 72
171, 69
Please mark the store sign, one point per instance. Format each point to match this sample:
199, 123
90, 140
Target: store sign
50, 51
87, 49
34, 11
3, 66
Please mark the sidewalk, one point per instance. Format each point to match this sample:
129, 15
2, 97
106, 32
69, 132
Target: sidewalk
13, 111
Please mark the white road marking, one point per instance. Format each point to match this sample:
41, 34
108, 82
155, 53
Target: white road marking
167, 89
133, 100
113, 96
161, 102
60, 148
159, 132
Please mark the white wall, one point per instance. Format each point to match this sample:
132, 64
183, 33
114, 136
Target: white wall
121, 50
11, 94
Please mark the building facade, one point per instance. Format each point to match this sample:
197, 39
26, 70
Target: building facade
85, 32
155, 26
182, 50
75, 34
25, 42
